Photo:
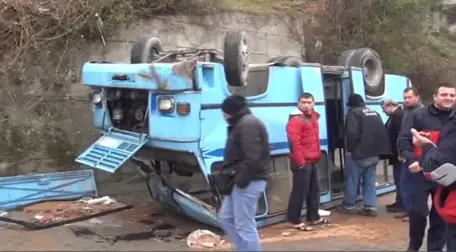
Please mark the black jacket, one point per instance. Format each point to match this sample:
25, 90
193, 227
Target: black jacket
407, 122
393, 126
365, 133
247, 148
445, 152
424, 118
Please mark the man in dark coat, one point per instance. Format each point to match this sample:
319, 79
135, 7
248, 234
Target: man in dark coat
415, 187
247, 154
393, 126
411, 103
433, 158
366, 139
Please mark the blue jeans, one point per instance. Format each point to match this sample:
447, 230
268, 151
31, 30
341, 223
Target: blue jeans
354, 172
237, 216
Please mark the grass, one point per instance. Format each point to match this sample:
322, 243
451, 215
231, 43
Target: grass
258, 6
265, 6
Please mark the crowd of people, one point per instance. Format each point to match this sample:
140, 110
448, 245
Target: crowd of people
419, 142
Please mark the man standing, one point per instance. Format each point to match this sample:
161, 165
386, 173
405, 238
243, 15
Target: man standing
247, 155
415, 187
393, 126
366, 139
411, 103
304, 144
432, 161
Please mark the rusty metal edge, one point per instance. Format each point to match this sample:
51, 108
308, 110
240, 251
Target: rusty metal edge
33, 226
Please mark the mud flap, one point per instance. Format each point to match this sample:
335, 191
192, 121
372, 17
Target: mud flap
112, 150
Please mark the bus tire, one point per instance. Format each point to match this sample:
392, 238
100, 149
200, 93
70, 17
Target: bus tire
290, 61
235, 56
370, 62
145, 49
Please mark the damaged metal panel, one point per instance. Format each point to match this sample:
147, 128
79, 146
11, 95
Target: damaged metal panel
156, 76
18, 191
112, 150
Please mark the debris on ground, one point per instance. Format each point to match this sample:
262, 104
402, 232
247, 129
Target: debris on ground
286, 233
203, 239
324, 213
106, 200
54, 213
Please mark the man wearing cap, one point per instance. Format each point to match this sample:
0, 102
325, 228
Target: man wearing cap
393, 126
366, 139
247, 155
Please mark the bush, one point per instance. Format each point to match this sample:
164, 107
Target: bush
397, 29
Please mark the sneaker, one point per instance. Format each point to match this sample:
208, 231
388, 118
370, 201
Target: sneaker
346, 210
401, 215
368, 212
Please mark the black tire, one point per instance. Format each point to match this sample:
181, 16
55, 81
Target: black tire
370, 62
235, 56
145, 50
290, 61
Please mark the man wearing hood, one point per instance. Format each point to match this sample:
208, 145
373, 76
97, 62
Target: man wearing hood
304, 144
247, 156
366, 139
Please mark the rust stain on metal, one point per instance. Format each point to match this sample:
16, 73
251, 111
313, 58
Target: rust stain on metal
185, 69
153, 76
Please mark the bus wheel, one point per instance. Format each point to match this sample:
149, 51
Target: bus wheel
290, 61
370, 62
236, 57
145, 50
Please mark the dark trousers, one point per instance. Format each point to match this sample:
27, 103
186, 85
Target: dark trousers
417, 227
451, 238
397, 172
305, 187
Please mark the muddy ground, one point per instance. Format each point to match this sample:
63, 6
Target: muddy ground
147, 227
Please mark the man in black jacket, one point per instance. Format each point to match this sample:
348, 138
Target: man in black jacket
411, 103
416, 188
366, 139
393, 126
247, 154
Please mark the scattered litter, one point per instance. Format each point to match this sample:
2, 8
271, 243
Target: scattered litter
324, 213
203, 239
106, 200
286, 233
95, 221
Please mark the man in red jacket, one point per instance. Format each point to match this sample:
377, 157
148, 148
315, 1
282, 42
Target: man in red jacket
304, 144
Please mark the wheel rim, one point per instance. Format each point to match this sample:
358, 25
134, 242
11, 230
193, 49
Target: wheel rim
151, 57
370, 72
244, 55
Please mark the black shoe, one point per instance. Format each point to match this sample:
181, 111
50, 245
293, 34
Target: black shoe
394, 208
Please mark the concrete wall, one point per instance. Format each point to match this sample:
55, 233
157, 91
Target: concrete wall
267, 37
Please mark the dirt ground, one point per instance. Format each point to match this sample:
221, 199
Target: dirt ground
147, 228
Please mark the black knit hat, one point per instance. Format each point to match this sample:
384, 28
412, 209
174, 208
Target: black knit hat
355, 100
233, 104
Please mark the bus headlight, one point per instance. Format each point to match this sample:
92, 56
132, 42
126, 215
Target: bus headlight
96, 98
166, 104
